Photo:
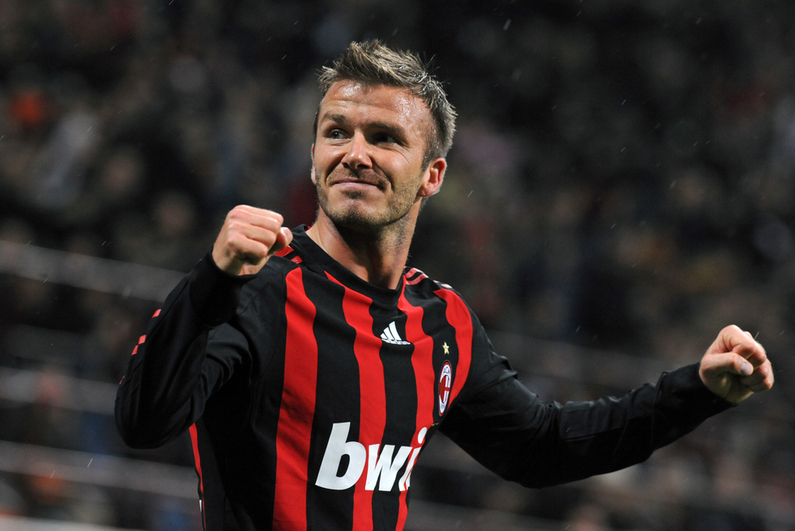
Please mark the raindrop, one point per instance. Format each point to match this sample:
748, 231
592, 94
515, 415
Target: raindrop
507, 23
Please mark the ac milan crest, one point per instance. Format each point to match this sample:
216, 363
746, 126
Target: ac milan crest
445, 385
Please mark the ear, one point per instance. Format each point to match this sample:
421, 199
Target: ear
433, 178
312, 156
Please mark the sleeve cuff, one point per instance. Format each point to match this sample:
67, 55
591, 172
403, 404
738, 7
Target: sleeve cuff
692, 390
214, 294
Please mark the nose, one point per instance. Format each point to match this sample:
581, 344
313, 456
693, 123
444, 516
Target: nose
358, 154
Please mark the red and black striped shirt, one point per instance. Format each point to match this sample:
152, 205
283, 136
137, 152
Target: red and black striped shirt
309, 394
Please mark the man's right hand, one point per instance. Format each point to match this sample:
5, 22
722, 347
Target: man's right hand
248, 238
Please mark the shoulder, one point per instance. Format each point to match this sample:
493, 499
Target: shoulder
418, 280
425, 291
421, 286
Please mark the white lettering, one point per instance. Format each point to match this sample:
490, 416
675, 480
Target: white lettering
338, 445
383, 466
405, 481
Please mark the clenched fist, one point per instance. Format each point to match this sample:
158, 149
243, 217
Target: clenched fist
248, 238
735, 366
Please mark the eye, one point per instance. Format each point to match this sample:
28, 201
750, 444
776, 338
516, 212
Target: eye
336, 134
384, 138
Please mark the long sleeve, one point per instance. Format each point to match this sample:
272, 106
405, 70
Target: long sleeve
511, 431
170, 375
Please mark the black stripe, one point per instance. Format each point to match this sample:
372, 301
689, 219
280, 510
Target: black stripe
258, 403
267, 393
401, 405
337, 382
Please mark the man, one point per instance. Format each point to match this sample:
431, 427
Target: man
311, 367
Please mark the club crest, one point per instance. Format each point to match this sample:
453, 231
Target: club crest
445, 386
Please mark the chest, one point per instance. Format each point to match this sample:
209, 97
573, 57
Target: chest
390, 368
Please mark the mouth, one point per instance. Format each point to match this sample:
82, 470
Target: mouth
361, 181
353, 184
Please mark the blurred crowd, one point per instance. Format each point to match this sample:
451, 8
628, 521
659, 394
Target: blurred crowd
622, 179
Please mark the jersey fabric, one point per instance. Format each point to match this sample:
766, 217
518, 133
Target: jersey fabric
309, 394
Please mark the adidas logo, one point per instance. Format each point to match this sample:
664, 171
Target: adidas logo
390, 335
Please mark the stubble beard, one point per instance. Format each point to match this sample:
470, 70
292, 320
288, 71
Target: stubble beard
353, 217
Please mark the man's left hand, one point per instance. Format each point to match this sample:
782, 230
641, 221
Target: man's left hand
736, 366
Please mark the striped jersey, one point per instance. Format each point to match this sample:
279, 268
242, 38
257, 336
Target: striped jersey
309, 394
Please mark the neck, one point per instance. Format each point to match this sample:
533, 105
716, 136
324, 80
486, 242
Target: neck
377, 256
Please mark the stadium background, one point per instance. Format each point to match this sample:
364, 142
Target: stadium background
621, 186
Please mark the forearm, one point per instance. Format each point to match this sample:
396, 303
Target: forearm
613, 433
512, 432
166, 384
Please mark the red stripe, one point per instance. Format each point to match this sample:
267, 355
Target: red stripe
283, 251
141, 341
297, 408
458, 316
287, 250
194, 438
372, 394
415, 276
422, 361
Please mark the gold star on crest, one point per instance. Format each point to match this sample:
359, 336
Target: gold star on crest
446, 348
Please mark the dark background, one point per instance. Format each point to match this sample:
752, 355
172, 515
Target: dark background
620, 188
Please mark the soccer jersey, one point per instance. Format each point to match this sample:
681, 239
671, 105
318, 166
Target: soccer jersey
310, 393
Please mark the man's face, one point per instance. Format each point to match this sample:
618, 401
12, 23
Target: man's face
368, 154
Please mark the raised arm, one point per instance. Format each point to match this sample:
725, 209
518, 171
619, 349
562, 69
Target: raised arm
171, 373
514, 433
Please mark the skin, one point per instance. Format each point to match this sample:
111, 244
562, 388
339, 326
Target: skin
367, 168
735, 366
